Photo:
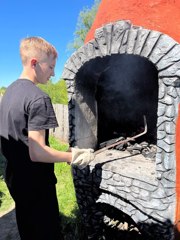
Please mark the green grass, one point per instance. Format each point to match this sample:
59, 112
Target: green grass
70, 215
64, 186
5, 199
69, 212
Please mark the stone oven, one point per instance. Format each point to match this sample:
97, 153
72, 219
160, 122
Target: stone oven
123, 89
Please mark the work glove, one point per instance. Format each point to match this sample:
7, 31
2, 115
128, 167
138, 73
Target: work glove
82, 157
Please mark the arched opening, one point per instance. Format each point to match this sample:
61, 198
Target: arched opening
127, 90
119, 90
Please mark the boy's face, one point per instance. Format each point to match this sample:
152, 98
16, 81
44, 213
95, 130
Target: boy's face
45, 69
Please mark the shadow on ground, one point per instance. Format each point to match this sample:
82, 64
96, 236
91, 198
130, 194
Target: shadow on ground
71, 228
8, 226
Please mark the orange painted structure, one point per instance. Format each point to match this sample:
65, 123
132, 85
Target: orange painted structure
159, 15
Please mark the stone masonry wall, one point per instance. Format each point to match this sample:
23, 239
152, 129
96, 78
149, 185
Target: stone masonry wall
143, 189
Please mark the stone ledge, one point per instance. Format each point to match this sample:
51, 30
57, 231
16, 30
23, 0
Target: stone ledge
131, 166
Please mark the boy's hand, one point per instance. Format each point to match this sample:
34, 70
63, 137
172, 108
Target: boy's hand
82, 157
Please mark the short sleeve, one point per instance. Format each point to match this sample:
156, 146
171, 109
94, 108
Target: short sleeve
41, 115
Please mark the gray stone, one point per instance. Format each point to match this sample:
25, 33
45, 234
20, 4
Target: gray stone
112, 189
158, 158
132, 40
104, 185
170, 200
90, 50
117, 35
159, 193
122, 181
142, 217
135, 189
171, 57
152, 186
170, 83
128, 182
101, 40
123, 46
161, 109
171, 91
82, 54
149, 44
167, 214
170, 111
170, 139
144, 194
170, 127
163, 46
167, 184
106, 175
161, 121
165, 146
117, 178
170, 175
160, 169
167, 100
141, 38
171, 71
171, 192
76, 60
93, 50
135, 195
161, 134
155, 204
67, 74
125, 189
108, 34
70, 65
121, 193
122, 203
162, 90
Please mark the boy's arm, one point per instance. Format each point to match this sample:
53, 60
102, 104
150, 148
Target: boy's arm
40, 152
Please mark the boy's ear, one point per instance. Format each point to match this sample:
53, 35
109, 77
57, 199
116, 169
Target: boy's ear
33, 62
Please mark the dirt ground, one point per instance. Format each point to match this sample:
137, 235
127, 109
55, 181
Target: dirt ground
9, 231
8, 227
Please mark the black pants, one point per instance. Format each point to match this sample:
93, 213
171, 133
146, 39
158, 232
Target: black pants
37, 213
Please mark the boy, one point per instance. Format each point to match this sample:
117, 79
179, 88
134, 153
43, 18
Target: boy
26, 115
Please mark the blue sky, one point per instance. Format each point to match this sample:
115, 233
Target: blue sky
54, 20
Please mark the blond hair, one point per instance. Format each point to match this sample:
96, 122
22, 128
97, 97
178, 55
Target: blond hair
36, 47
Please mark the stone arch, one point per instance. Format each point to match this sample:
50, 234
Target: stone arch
123, 38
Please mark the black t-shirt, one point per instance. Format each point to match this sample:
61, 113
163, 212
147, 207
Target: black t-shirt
25, 107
